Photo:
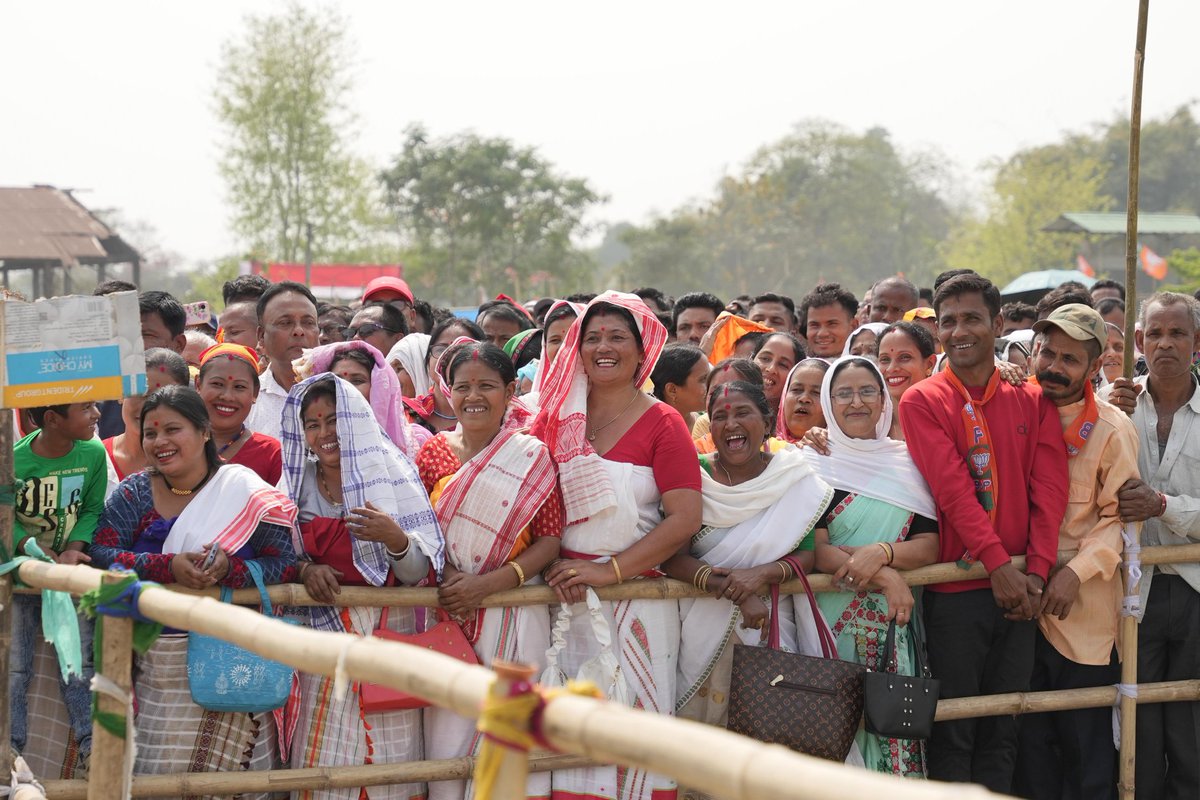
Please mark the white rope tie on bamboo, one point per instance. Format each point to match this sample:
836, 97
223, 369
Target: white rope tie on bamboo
341, 681
1131, 603
1123, 690
103, 685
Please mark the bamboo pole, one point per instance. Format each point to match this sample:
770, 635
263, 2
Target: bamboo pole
606, 732
513, 772
106, 770
994, 705
1129, 624
6, 584
293, 594
188, 784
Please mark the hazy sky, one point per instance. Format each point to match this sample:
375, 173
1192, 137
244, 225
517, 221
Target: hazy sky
651, 101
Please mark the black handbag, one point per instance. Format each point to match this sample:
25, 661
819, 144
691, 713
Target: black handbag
811, 704
899, 706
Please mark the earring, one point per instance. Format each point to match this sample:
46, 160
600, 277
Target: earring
312, 457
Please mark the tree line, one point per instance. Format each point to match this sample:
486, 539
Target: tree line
471, 215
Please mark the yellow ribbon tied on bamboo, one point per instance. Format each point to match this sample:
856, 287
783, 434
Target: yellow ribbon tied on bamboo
513, 723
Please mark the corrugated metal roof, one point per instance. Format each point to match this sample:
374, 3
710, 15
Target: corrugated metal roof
1089, 222
45, 226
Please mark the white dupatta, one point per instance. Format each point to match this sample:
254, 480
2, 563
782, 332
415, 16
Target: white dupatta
227, 511
880, 467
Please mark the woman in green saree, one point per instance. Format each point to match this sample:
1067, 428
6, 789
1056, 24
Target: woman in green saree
883, 520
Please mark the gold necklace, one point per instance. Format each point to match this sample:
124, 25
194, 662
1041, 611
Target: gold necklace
325, 486
592, 436
186, 492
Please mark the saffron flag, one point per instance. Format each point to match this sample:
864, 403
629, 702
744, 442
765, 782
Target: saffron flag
1153, 264
1083, 266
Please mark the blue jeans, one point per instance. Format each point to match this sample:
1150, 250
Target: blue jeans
76, 693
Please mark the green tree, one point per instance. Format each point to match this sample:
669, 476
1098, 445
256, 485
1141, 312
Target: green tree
824, 203
289, 172
1169, 166
1184, 266
486, 215
1028, 191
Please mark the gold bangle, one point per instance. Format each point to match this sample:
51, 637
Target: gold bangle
700, 575
300, 570
787, 572
520, 573
704, 581
616, 568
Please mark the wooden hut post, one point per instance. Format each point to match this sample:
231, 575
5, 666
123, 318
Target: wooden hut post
106, 770
1129, 624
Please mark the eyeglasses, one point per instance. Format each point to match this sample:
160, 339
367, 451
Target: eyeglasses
867, 394
366, 329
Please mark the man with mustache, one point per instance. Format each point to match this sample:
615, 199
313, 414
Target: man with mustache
1165, 406
994, 458
1070, 753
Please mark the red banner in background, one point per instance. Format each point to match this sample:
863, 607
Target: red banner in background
346, 276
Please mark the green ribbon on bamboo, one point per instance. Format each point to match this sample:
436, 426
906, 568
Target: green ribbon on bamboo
117, 599
60, 625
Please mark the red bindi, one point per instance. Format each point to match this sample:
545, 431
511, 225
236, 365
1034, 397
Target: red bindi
728, 406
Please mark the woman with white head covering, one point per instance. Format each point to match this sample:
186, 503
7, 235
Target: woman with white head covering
365, 520
864, 340
883, 520
407, 358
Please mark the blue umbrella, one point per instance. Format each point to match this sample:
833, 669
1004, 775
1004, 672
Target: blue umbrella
1045, 280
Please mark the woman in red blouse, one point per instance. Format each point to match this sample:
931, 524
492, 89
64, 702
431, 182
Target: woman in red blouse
495, 491
228, 383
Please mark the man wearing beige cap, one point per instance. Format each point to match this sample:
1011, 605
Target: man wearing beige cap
1071, 753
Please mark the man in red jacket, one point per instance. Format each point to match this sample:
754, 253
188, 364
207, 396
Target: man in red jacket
994, 457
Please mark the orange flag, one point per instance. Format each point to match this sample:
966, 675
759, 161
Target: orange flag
1083, 266
1153, 264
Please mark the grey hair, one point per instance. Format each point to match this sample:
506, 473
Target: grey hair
1170, 299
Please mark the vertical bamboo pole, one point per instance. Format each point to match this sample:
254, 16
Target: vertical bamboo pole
1129, 625
106, 772
6, 584
514, 768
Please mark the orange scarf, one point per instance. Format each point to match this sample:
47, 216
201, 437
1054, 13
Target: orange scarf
979, 450
1077, 433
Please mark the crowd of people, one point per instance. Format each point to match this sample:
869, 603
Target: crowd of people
594, 440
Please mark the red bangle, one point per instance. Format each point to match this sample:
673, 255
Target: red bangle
1163, 508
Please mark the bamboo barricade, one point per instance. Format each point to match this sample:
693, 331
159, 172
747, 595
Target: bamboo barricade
1129, 623
605, 732
81, 579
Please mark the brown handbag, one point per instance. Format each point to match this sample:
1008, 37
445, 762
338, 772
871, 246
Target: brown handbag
446, 637
812, 705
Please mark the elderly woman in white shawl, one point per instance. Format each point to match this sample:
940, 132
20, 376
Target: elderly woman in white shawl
365, 520
883, 520
758, 508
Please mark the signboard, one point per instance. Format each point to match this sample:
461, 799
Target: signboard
71, 350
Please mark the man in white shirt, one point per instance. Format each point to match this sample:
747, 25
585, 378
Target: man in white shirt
1165, 406
287, 326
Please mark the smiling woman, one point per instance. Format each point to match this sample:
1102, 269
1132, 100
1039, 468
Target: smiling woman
630, 485
495, 490
365, 520
758, 508
163, 523
775, 356
228, 384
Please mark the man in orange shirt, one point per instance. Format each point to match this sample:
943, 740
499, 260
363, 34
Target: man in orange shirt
1070, 754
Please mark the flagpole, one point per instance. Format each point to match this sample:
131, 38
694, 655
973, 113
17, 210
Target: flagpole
1129, 623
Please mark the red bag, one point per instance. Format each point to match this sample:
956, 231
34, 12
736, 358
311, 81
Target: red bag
445, 637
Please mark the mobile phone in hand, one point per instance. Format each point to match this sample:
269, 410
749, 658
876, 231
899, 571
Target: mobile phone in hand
211, 558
